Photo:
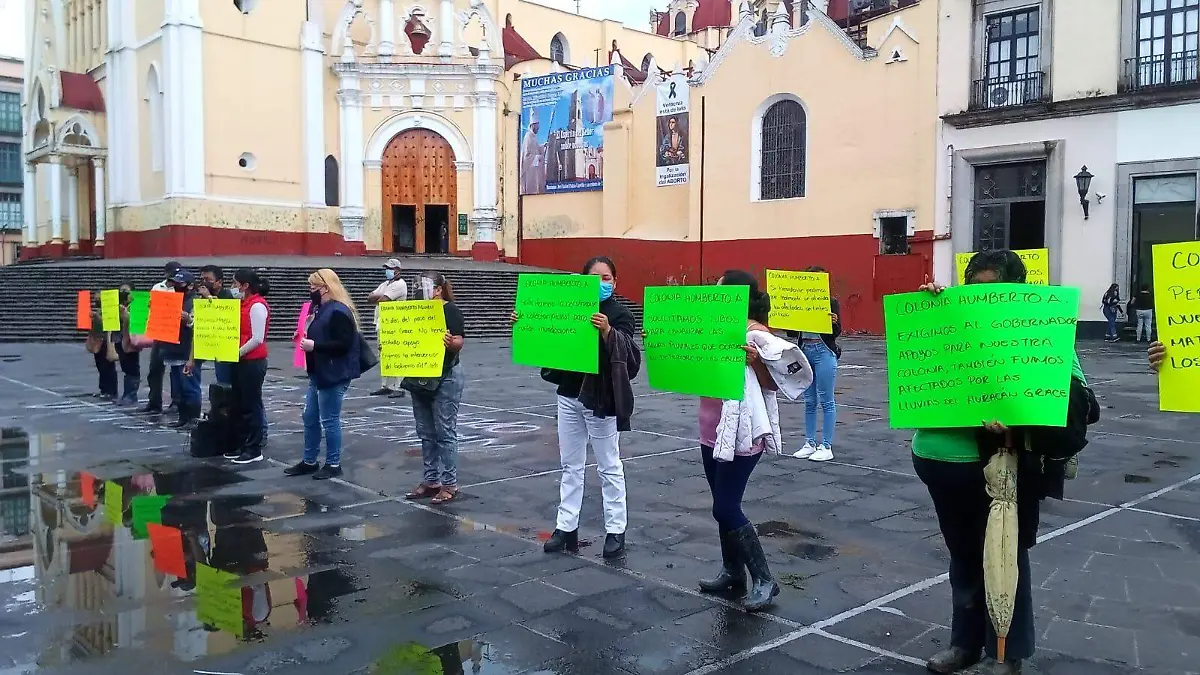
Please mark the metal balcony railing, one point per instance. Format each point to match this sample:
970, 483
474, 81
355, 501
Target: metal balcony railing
1004, 92
1148, 72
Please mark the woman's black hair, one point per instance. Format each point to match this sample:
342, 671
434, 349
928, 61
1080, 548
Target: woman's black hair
612, 266
257, 284
816, 268
760, 302
1008, 266
440, 281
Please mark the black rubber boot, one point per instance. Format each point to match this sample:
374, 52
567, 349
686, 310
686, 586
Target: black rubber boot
188, 413
562, 541
614, 545
952, 660
733, 572
763, 588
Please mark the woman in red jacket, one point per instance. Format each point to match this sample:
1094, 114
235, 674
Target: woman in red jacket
251, 368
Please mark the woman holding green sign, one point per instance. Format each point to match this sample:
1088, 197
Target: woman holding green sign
596, 409
951, 463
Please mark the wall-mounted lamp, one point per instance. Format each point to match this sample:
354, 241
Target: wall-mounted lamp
1083, 182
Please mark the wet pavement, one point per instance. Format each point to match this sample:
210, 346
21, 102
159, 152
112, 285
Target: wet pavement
243, 570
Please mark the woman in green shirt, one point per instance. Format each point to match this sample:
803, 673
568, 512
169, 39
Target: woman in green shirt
950, 464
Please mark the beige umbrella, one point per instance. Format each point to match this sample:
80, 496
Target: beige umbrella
1000, 542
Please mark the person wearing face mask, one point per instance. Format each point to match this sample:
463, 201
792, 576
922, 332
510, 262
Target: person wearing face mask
435, 402
185, 379
251, 369
595, 409
950, 462
154, 378
127, 355
392, 289
332, 356
212, 286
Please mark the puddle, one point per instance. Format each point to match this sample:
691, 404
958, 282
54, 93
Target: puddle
1137, 479
456, 658
809, 550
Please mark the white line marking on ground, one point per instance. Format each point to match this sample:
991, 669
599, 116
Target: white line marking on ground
1164, 514
916, 587
1144, 438
871, 648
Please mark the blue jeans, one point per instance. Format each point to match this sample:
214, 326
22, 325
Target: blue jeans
1110, 313
727, 483
824, 365
187, 387
436, 419
323, 412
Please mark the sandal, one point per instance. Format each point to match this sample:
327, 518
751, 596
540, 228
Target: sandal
423, 491
445, 496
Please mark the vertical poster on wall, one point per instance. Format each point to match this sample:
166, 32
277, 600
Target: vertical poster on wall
562, 130
671, 140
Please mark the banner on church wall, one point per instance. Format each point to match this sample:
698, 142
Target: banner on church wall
671, 142
562, 130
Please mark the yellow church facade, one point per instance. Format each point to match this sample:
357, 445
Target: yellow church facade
377, 126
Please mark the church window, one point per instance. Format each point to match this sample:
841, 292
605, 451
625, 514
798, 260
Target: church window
646, 60
558, 49
782, 139
681, 24
154, 104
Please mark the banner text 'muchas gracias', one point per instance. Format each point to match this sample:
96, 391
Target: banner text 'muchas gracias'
573, 76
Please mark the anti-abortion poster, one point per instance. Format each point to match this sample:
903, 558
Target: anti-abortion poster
562, 130
671, 165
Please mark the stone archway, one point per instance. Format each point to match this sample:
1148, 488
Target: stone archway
420, 194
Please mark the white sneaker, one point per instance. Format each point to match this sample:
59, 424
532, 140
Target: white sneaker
824, 453
806, 451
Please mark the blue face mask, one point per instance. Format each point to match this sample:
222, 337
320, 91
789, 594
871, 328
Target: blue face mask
606, 290
390, 274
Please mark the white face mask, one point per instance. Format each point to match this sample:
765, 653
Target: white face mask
235, 292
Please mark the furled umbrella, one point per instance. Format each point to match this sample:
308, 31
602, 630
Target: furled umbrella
1000, 542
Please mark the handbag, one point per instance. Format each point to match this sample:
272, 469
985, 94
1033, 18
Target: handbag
111, 353
421, 386
367, 358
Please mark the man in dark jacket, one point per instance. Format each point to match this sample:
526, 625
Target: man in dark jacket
184, 378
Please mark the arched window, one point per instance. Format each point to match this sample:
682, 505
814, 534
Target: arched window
558, 50
154, 110
331, 181
781, 138
646, 60
760, 28
681, 24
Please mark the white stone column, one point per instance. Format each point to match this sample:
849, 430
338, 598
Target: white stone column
312, 75
183, 98
486, 217
29, 205
387, 28
73, 209
446, 21
350, 123
101, 204
56, 197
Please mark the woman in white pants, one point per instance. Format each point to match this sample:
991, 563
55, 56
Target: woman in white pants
595, 409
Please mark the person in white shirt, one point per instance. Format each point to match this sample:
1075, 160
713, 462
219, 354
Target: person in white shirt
392, 289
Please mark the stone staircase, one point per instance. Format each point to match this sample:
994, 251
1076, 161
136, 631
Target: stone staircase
37, 301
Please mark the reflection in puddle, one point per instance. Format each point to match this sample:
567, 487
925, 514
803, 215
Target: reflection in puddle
455, 658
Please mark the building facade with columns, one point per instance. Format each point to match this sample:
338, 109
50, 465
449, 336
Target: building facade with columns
12, 175
308, 127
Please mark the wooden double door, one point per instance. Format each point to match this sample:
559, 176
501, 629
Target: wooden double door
420, 194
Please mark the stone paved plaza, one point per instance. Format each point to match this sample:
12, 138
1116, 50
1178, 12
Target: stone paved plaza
362, 582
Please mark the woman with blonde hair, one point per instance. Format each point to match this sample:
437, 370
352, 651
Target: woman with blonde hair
332, 355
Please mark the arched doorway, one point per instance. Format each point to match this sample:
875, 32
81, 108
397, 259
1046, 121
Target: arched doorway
420, 194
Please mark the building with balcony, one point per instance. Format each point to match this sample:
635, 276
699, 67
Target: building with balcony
12, 177
1066, 125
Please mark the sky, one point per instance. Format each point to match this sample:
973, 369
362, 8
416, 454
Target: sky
633, 13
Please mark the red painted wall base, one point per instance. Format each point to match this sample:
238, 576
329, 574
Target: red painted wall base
198, 240
485, 251
850, 260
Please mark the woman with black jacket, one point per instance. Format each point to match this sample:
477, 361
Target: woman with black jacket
823, 353
595, 409
331, 347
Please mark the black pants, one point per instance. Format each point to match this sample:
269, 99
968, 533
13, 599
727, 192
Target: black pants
154, 378
247, 387
961, 501
727, 482
107, 370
